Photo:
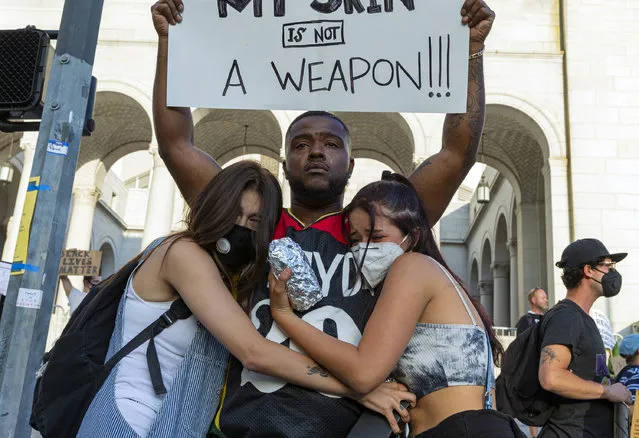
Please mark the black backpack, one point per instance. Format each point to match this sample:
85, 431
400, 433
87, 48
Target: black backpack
517, 389
73, 371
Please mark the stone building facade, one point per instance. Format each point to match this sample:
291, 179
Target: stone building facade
560, 140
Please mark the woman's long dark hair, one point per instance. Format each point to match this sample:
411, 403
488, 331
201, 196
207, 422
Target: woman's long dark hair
215, 210
396, 198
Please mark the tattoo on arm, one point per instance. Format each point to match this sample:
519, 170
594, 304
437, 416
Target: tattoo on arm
317, 370
547, 356
424, 164
464, 130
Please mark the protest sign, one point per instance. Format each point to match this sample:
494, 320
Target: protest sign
605, 328
5, 275
80, 262
339, 55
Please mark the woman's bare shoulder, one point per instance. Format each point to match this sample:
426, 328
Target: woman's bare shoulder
418, 265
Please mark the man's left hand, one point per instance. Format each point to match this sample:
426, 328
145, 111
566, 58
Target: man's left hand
479, 18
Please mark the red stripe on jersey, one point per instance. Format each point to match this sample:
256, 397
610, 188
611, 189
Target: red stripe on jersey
332, 224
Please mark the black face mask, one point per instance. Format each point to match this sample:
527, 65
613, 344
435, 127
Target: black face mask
235, 250
611, 282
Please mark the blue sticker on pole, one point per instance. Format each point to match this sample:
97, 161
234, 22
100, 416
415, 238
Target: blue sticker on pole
32, 187
58, 147
19, 267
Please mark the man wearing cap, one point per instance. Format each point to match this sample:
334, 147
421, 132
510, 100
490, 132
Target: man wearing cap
629, 376
572, 365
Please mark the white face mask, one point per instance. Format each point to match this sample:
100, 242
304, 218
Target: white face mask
379, 258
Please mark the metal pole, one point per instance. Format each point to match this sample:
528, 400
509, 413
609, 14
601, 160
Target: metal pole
27, 310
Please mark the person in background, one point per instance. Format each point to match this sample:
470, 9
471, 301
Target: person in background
572, 365
538, 300
74, 295
629, 376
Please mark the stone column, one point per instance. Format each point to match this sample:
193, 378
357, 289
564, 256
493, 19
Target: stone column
501, 285
529, 251
81, 224
514, 283
486, 295
159, 206
28, 145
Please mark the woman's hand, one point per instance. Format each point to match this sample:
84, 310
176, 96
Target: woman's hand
386, 400
280, 305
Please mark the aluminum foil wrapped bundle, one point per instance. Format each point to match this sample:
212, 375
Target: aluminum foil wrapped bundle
303, 288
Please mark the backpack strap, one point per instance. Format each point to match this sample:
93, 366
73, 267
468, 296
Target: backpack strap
176, 312
488, 397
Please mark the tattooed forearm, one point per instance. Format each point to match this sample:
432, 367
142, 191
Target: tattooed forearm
317, 370
462, 132
547, 356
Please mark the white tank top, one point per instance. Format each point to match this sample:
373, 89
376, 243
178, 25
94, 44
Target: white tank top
134, 393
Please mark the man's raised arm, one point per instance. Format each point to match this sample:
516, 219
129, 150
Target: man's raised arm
190, 167
438, 178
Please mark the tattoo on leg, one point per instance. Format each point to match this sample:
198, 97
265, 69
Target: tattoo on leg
547, 356
317, 370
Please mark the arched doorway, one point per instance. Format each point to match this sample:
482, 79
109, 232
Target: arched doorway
515, 145
107, 266
366, 171
474, 280
501, 275
515, 293
486, 279
384, 137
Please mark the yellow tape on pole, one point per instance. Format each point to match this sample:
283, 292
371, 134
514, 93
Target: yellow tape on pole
22, 244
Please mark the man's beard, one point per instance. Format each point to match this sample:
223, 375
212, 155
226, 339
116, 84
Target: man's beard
319, 197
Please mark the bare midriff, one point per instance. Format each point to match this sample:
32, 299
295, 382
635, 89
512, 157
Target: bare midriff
434, 408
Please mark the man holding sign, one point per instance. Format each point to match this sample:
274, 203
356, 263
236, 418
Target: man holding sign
318, 165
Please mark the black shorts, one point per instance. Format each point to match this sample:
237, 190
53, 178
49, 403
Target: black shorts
475, 424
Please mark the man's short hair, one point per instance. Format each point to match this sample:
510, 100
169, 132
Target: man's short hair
316, 113
531, 293
571, 277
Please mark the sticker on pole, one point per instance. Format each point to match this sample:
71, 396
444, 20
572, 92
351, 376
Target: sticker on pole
5, 273
391, 55
58, 147
29, 298
22, 244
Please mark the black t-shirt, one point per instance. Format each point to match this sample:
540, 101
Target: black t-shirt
569, 325
261, 406
527, 321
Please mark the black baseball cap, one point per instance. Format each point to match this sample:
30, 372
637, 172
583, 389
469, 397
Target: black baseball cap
584, 251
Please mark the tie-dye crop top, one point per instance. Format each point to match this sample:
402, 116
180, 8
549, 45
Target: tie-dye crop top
442, 355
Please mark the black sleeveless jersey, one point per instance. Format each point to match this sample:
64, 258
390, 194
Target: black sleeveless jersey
257, 405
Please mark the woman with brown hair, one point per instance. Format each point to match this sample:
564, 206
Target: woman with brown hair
223, 248
426, 331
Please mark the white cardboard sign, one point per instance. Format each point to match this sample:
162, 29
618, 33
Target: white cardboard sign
5, 272
339, 55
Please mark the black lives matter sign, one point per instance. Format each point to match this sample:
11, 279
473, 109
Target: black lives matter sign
80, 262
340, 55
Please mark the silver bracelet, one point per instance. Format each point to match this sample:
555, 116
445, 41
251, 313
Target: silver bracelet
476, 55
